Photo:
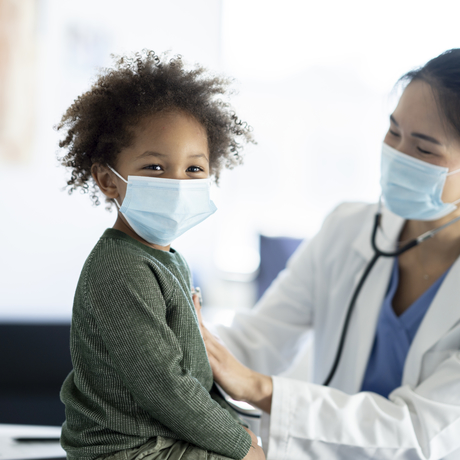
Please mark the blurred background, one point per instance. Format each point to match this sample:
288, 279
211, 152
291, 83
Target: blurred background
314, 79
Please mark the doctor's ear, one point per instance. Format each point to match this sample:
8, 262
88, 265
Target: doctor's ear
105, 180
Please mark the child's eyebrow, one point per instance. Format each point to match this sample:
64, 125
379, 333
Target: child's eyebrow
149, 153
199, 155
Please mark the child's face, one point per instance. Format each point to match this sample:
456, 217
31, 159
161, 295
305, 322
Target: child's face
171, 146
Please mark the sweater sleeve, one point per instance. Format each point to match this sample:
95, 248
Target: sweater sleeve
130, 310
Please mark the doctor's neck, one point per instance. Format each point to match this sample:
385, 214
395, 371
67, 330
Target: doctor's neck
445, 241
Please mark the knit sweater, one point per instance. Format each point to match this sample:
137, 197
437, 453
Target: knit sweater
140, 367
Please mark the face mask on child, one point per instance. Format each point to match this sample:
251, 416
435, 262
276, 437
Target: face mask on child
160, 210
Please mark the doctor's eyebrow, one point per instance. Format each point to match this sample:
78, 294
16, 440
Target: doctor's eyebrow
419, 135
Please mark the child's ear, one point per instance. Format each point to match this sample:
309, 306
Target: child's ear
104, 180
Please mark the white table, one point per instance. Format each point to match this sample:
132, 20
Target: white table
10, 449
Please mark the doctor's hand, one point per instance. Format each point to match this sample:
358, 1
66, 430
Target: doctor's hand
255, 451
240, 382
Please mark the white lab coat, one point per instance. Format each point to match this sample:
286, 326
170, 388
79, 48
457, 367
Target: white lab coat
421, 418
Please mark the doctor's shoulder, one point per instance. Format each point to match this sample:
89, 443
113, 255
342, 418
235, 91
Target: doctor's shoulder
327, 254
344, 223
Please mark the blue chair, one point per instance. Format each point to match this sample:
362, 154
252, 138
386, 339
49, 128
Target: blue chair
274, 253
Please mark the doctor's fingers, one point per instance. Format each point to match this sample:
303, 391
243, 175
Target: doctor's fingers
213, 344
233, 376
255, 451
218, 354
197, 305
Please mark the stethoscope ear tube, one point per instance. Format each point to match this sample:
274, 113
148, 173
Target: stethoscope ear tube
351, 305
396, 253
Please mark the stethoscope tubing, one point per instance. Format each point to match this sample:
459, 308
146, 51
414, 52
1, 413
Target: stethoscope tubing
351, 306
377, 254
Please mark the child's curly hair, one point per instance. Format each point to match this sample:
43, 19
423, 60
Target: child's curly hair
97, 123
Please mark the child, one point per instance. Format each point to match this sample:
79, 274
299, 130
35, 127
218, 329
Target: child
148, 135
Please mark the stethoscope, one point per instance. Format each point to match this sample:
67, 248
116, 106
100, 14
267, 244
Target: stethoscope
377, 254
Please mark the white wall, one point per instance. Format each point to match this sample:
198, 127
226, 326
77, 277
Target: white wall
316, 81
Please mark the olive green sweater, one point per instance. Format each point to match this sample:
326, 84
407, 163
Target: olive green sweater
140, 367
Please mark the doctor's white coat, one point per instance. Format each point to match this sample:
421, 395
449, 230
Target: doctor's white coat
421, 418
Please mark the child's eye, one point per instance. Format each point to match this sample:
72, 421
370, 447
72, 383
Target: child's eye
393, 133
194, 169
154, 167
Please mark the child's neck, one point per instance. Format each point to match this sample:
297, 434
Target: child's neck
124, 227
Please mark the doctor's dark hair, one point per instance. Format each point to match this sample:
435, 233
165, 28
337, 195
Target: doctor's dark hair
443, 75
98, 124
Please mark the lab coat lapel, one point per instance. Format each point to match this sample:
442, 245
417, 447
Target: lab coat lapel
443, 313
361, 333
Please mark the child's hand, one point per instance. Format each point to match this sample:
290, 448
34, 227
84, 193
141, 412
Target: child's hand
255, 451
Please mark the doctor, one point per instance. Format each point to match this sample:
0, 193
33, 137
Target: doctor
395, 393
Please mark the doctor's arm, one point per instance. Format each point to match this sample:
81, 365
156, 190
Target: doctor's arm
271, 335
240, 382
313, 421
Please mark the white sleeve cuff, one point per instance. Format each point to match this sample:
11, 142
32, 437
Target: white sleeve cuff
279, 420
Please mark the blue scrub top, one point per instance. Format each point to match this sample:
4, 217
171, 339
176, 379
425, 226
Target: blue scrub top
394, 336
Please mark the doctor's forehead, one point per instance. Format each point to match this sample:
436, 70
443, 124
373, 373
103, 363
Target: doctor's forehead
418, 109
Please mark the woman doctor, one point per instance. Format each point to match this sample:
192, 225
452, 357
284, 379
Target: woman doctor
395, 393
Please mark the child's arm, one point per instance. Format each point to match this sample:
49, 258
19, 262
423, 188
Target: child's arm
147, 356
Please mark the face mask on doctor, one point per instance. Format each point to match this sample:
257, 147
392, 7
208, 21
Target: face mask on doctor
160, 210
412, 188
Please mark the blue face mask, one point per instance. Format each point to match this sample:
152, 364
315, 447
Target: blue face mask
412, 188
160, 210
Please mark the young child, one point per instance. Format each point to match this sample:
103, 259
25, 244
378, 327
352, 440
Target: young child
148, 135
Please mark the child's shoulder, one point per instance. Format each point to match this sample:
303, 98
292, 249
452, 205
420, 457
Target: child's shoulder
122, 264
115, 251
115, 246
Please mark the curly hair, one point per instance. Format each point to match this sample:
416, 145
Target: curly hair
97, 124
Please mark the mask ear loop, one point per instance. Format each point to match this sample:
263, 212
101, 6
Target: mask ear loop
451, 174
113, 170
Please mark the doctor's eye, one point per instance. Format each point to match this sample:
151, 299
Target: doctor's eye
423, 151
393, 133
194, 169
